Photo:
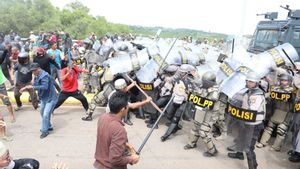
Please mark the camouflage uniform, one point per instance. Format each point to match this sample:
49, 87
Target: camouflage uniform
205, 118
279, 118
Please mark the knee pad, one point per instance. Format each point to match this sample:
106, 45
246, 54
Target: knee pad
99, 98
282, 129
204, 130
270, 127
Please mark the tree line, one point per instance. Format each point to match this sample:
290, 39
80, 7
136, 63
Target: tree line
23, 16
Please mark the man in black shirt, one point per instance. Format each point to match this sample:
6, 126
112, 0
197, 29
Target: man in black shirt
44, 60
24, 78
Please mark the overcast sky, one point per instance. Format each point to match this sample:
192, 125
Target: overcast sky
236, 17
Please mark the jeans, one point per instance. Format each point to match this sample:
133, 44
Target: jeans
46, 111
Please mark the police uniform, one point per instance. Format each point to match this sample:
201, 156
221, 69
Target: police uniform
165, 92
205, 116
101, 97
252, 100
281, 97
179, 104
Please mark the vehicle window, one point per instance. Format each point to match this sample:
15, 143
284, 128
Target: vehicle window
296, 38
266, 39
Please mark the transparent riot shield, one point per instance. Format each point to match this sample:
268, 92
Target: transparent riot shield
235, 82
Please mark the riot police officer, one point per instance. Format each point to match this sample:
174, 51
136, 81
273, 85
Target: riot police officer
183, 82
281, 96
206, 114
253, 103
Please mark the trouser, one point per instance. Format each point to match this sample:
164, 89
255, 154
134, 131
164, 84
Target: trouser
46, 111
31, 93
76, 94
55, 73
297, 143
161, 102
174, 126
202, 130
5, 70
4, 92
246, 141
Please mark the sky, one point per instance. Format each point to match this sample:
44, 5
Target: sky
235, 17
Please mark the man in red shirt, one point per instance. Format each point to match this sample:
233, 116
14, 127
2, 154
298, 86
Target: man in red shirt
112, 149
70, 86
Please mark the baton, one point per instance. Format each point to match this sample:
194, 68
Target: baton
153, 104
153, 127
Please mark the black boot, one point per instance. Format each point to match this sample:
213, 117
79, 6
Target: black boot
295, 157
171, 130
140, 114
237, 155
127, 120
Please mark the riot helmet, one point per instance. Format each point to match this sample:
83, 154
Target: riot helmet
285, 77
171, 69
208, 79
252, 77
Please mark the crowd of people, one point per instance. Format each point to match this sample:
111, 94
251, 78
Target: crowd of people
50, 68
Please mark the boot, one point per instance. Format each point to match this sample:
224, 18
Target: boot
87, 118
189, 146
237, 155
127, 120
209, 154
277, 143
295, 157
140, 114
171, 130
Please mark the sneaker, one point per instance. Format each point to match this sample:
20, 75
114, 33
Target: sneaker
18, 108
260, 145
237, 155
43, 135
274, 149
188, 146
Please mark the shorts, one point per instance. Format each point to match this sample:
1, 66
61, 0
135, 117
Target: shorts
4, 92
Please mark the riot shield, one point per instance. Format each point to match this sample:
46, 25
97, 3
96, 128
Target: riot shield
121, 63
226, 68
235, 82
281, 55
149, 71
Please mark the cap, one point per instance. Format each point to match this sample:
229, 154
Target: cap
40, 50
34, 66
120, 84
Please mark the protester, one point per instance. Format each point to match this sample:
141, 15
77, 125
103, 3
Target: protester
24, 78
55, 54
69, 76
43, 83
111, 144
